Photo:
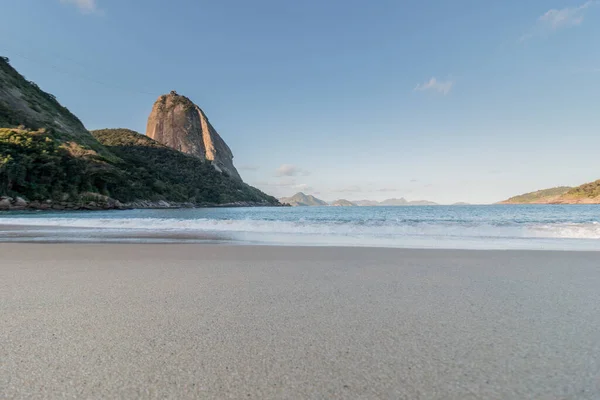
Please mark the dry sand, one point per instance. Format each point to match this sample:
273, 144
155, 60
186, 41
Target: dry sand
216, 321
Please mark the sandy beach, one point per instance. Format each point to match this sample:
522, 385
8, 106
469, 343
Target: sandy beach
220, 321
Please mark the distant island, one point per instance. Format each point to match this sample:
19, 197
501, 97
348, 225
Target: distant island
588, 193
49, 160
403, 202
303, 200
343, 203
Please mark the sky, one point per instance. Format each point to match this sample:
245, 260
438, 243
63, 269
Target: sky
448, 101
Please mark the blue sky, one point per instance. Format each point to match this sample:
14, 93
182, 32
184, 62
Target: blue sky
448, 101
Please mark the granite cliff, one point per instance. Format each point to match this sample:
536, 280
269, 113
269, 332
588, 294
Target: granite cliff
178, 123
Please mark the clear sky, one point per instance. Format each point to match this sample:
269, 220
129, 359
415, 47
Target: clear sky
441, 100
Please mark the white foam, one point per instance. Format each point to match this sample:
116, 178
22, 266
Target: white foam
368, 229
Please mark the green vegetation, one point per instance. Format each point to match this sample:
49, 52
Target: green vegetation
36, 165
157, 172
586, 193
540, 196
176, 100
589, 190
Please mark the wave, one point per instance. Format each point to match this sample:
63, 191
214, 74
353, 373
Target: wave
384, 229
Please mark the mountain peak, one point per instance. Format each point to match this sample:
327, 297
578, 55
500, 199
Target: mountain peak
177, 122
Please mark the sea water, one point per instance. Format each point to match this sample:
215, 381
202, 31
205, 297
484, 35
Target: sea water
556, 227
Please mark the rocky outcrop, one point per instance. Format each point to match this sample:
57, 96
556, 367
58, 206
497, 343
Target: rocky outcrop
177, 122
87, 201
95, 201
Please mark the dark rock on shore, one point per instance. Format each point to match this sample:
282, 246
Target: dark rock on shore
94, 202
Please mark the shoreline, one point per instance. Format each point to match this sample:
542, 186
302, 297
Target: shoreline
427, 228
269, 322
82, 235
103, 203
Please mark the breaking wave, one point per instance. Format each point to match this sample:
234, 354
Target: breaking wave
387, 229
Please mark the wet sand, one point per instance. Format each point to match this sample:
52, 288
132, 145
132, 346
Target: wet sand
221, 321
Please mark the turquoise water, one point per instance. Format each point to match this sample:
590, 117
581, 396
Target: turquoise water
560, 227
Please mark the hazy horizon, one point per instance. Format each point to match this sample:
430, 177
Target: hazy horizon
331, 200
440, 102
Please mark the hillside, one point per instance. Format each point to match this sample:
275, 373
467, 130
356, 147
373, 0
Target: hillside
49, 160
544, 196
23, 103
160, 172
588, 193
302, 200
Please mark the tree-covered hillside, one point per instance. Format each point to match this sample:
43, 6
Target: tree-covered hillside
159, 172
539, 196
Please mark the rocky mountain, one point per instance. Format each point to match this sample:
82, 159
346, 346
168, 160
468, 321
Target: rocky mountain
302, 200
588, 193
177, 122
342, 203
48, 160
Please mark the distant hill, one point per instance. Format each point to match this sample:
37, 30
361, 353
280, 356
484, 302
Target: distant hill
394, 202
544, 196
366, 203
302, 200
343, 203
588, 193
422, 203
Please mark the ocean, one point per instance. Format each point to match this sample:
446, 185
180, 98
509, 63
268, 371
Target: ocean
547, 227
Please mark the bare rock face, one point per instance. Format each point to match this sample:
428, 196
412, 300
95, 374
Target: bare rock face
177, 122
